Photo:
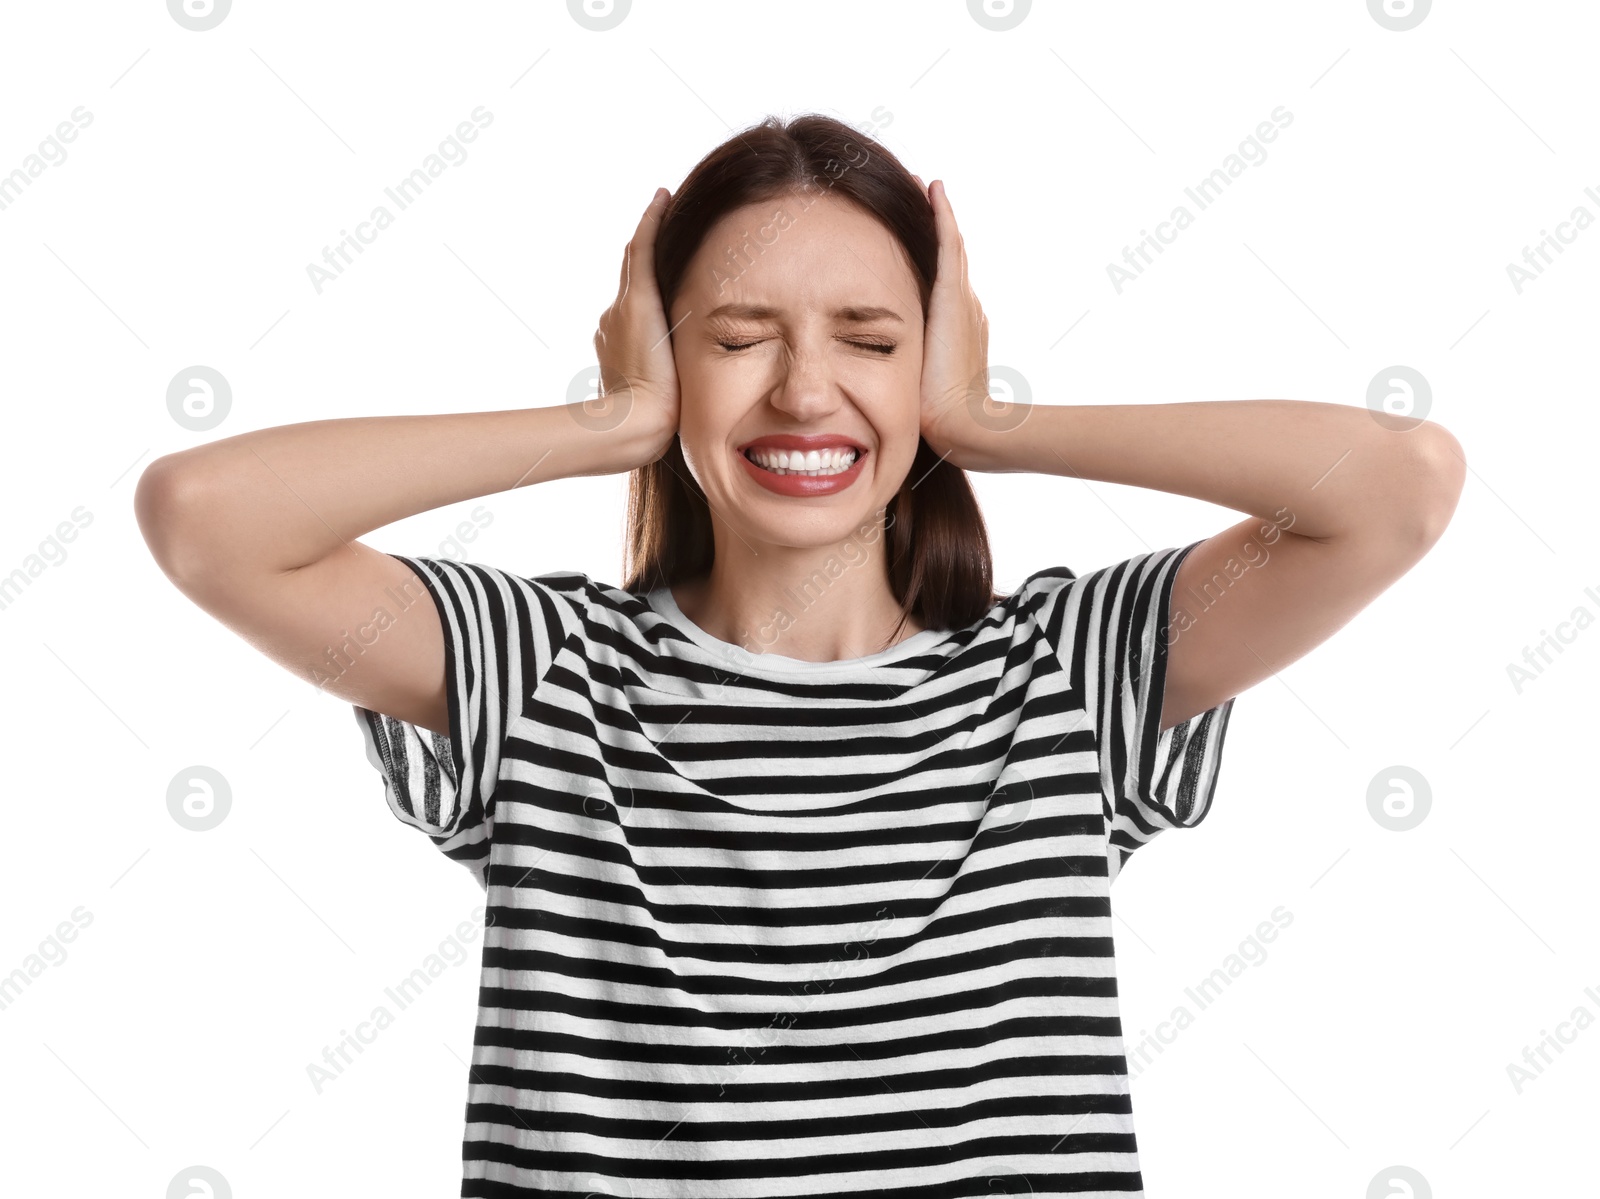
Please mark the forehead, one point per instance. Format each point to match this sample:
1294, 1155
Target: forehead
800, 252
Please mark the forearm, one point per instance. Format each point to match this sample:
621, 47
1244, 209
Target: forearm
277, 499
1335, 469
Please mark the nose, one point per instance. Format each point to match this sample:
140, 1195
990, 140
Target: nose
807, 389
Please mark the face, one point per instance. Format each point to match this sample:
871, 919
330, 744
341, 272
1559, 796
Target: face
798, 323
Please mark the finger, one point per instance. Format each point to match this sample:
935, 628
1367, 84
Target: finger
644, 237
952, 230
650, 220
949, 238
643, 241
950, 233
622, 273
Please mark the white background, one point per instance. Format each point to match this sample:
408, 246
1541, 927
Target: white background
216, 966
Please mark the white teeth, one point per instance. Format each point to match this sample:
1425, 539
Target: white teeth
794, 462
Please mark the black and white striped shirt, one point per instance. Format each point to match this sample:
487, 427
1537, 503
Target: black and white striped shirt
762, 927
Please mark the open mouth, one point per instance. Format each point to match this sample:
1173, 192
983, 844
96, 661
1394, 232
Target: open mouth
817, 463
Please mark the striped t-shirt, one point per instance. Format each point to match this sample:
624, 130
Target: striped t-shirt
762, 927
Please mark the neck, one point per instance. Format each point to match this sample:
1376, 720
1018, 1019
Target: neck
815, 603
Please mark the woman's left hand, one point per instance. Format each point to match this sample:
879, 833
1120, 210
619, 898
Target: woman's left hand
955, 347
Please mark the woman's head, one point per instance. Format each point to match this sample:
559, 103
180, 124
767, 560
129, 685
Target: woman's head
796, 263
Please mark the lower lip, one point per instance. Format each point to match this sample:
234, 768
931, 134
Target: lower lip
803, 485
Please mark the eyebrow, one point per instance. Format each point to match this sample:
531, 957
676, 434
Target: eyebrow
853, 313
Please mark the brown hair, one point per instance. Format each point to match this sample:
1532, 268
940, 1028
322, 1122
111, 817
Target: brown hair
937, 548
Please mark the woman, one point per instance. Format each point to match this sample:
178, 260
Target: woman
798, 845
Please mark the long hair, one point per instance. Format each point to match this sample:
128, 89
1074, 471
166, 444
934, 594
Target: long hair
937, 548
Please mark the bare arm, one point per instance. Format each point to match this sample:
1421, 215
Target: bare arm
260, 530
1343, 502
1347, 499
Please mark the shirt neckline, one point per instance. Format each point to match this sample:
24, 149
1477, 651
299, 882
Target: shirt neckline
729, 654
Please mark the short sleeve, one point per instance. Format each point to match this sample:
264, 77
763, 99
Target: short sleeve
1111, 631
501, 635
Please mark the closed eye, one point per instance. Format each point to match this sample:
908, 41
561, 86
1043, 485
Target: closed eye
878, 347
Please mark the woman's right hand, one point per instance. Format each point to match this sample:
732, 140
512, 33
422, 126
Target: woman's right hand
637, 371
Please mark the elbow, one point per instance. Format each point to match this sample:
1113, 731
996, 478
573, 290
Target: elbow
1435, 468
165, 503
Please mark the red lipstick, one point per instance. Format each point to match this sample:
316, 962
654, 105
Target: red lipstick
803, 485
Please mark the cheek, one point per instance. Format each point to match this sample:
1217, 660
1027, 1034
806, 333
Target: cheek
706, 416
902, 411
898, 426
706, 405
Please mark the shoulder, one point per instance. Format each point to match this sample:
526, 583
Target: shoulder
1042, 590
1118, 600
565, 600
1042, 582
1136, 576
594, 609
